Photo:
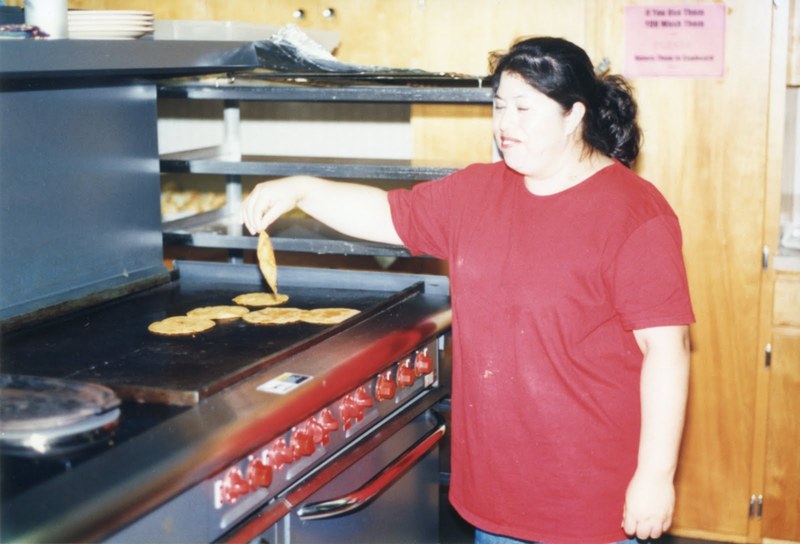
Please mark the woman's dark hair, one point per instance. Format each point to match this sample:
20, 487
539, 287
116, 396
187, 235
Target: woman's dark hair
563, 71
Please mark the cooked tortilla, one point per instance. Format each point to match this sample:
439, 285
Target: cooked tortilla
260, 299
219, 312
266, 261
327, 316
181, 325
273, 316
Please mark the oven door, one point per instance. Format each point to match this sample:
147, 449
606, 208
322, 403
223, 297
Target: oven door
390, 495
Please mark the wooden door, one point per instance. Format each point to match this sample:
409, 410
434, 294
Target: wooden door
705, 144
781, 503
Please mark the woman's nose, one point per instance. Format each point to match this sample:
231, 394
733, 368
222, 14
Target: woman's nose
504, 118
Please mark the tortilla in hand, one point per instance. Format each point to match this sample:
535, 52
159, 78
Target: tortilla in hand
266, 261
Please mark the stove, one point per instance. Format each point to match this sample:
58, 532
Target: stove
226, 432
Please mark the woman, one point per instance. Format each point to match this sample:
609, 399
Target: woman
570, 305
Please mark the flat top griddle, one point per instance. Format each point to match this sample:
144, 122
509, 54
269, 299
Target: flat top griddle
111, 345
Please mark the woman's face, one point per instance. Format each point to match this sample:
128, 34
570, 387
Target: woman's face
531, 130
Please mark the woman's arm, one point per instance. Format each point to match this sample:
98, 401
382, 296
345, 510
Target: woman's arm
353, 209
650, 498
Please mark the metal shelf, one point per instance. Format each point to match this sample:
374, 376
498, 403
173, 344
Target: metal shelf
51, 60
379, 87
221, 229
213, 160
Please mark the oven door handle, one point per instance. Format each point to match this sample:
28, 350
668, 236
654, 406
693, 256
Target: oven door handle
377, 484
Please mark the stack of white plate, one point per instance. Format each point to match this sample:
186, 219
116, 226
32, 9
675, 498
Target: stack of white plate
109, 24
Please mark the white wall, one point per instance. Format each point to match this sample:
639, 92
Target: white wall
371, 131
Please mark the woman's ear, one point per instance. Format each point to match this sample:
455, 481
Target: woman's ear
574, 117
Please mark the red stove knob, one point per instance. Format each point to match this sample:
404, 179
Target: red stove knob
349, 410
318, 433
234, 486
259, 474
281, 454
406, 374
328, 420
385, 388
363, 398
423, 363
302, 443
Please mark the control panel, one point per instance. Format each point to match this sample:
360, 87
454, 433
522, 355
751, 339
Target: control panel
264, 473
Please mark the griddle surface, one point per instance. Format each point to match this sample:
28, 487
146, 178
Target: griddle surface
111, 345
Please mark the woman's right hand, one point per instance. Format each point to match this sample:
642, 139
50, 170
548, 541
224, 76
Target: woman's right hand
354, 209
268, 201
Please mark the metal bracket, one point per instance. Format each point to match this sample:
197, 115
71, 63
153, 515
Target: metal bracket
756, 506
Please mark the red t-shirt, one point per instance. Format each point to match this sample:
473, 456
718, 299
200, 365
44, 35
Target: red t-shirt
545, 293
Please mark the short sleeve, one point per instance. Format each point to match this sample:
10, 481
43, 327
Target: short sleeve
648, 277
421, 216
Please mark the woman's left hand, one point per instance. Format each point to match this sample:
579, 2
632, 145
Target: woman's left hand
650, 497
649, 504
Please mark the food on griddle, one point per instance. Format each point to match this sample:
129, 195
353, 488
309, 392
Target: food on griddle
266, 261
219, 312
260, 299
181, 325
327, 316
273, 316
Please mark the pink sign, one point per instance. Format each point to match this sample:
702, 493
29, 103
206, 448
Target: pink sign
675, 40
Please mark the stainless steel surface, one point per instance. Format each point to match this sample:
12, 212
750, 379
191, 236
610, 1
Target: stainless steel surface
85, 223
86, 220
28, 59
386, 86
405, 513
361, 497
222, 229
32, 403
53, 417
348, 460
211, 161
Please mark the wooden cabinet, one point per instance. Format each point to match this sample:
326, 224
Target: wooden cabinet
701, 150
781, 498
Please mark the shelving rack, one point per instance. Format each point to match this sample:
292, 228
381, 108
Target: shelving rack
221, 228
